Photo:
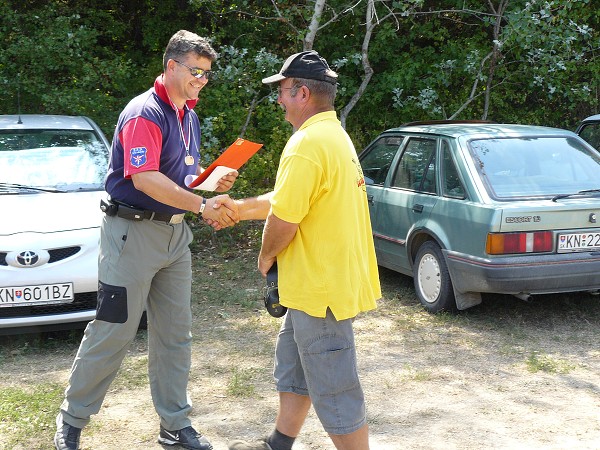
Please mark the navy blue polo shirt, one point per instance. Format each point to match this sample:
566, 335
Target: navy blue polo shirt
148, 137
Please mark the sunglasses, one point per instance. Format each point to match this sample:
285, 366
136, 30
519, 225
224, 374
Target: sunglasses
198, 73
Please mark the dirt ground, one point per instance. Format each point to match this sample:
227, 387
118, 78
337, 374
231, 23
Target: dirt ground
507, 375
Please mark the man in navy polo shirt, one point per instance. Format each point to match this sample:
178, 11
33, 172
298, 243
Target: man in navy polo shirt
145, 260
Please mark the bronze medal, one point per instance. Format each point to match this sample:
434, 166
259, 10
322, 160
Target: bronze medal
189, 160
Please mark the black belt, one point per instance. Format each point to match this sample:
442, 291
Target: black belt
112, 208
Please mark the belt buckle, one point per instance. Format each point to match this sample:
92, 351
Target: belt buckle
176, 218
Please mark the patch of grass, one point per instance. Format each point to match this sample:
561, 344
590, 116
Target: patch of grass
259, 323
13, 347
539, 362
241, 383
509, 349
28, 412
231, 282
132, 374
227, 242
409, 373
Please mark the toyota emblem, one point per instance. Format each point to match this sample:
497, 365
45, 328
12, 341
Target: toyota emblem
27, 258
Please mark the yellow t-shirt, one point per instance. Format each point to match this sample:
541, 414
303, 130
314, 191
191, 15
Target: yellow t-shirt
331, 262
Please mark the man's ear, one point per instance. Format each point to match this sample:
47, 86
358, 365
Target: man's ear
305, 93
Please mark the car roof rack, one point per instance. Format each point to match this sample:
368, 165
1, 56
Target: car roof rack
437, 122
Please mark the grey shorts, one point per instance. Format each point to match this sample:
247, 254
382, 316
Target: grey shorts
317, 357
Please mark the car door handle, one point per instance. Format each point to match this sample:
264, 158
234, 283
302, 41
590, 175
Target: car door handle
370, 200
417, 208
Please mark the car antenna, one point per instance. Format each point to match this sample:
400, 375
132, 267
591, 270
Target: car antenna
19, 98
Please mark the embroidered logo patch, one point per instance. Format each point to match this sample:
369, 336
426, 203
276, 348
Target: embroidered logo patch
138, 156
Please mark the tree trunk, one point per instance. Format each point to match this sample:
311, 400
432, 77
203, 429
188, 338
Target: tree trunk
309, 39
368, 70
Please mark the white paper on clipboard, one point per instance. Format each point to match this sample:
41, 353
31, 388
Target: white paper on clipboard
210, 184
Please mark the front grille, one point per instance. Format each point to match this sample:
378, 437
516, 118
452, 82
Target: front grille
83, 302
59, 254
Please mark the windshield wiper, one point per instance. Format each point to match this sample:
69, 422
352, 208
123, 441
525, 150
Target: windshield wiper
79, 187
15, 188
584, 192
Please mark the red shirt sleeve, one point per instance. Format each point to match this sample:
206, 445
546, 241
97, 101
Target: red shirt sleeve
141, 140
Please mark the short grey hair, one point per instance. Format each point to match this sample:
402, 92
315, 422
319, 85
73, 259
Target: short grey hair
184, 42
323, 89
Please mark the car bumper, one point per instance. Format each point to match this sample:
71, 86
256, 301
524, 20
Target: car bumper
62, 321
49, 317
567, 272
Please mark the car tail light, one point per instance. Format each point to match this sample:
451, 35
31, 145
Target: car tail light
510, 243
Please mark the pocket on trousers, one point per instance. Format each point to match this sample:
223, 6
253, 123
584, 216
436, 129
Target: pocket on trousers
333, 363
112, 303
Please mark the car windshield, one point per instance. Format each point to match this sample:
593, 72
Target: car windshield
54, 160
514, 168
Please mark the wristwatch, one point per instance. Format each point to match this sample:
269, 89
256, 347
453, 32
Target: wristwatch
202, 206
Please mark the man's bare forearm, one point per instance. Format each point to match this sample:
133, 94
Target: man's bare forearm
277, 235
254, 208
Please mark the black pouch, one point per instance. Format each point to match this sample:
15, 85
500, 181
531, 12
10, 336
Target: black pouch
112, 303
129, 213
272, 304
110, 209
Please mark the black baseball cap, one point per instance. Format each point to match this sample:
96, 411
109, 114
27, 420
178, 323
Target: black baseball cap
304, 65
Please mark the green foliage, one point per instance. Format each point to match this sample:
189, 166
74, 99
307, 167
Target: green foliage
431, 60
238, 104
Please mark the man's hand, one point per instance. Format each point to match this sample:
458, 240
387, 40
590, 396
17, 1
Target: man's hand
221, 212
226, 182
255, 208
264, 264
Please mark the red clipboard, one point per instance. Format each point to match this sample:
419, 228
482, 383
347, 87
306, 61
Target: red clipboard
234, 157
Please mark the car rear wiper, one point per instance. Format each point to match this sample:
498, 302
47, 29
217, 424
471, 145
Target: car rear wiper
14, 188
584, 192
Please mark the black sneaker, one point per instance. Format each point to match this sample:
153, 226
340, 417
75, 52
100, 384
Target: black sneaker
187, 438
67, 437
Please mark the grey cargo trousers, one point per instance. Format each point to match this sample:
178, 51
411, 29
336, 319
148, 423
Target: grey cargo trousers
142, 265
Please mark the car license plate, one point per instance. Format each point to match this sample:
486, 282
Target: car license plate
578, 241
36, 294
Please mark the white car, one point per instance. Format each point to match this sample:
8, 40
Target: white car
52, 171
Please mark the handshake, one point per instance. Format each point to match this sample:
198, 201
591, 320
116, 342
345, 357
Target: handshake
221, 212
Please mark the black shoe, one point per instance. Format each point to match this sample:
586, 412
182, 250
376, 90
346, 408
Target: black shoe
187, 438
67, 437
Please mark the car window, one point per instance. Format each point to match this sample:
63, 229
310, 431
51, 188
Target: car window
416, 169
591, 133
451, 184
62, 159
526, 167
377, 158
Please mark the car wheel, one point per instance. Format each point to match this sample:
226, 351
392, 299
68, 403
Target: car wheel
432, 280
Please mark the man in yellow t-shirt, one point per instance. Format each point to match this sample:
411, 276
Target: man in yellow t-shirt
318, 231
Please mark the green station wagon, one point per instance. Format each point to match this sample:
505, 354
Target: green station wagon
473, 207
